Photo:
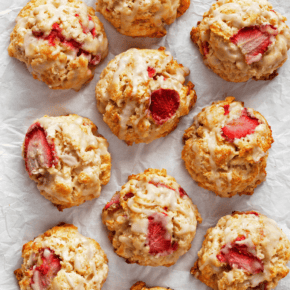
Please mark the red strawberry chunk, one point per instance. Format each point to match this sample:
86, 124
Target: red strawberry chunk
182, 192
249, 212
227, 109
164, 104
47, 271
238, 256
254, 41
151, 71
38, 152
95, 59
128, 195
240, 127
159, 239
157, 184
56, 34
114, 201
205, 48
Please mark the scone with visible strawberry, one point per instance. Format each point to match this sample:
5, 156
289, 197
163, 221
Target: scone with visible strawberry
142, 96
243, 39
151, 220
142, 286
61, 42
62, 258
142, 18
67, 158
226, 148
245, 250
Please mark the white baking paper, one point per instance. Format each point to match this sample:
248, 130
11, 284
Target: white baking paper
25, 213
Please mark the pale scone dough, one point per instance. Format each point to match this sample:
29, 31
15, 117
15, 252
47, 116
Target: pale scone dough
151, 220
142, 96
143, 18
67, 158
215, 37
62, 258
60, 41
221, 163
243, 251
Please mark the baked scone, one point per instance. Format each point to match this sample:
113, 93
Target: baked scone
245, 250
141, 94
243, 39
226, 148
61, 42
67, 158
142, 286
151, 221
62, 258
142, 18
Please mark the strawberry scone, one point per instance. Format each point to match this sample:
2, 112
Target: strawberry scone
62, 258
142, 286
67, 158
142, 96
151, 220
243, 39
226, 148
60, 41
142, 18
245, 250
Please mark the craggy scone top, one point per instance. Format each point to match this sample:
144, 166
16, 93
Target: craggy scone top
226, 148
243, 39
243, 251
62, 258
142, 286
143, 18
151, 221
141, 94
60, 41
67, 158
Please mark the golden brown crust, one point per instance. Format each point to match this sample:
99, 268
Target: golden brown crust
127, 218
89, 165
58, 65
60, 240
142, 286
123, 94
263, 236
226, 167
142, 18
213, 38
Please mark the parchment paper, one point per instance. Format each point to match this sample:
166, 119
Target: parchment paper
25, 213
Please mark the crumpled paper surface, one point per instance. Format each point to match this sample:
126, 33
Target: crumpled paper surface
25, 213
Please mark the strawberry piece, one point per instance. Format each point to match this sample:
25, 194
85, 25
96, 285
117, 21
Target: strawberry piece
95, 59
128, 195
249, 212
159, 239
164, 104
205, 48
151, 71
237, 256
47, 271
254, 41
114, 201
227, 109
157, 184
56, 34
38, 152
182, 192
240, 127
